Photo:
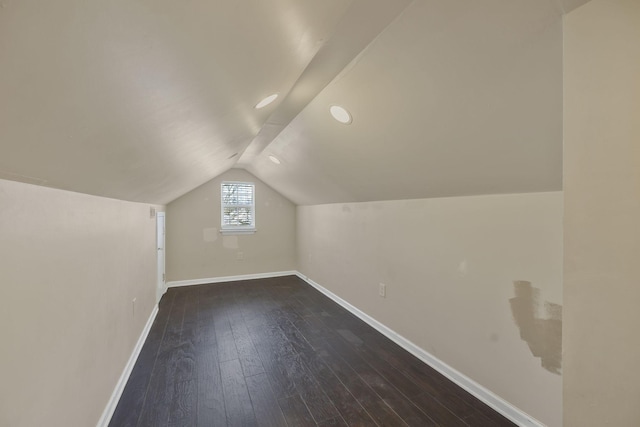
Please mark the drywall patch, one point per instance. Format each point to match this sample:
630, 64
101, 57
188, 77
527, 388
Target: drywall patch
462, 268
542, 334
210, 234
230, 242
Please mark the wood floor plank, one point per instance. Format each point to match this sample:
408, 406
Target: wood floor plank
349, 408
155, 410
484, 412
274, 363
265, 404
236, 396
383, 388
293, 336
379, 410
277, 372
130, 404
205, 330
318, 403
335, 422
249, 358
427, 378
437, 411
363, 356
210, 403
182, 412
479, 420
295, 412
224, 339
186, 363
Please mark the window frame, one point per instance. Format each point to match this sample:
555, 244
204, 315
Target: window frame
238, 229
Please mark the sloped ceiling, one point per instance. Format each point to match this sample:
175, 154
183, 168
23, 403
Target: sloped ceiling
145, 100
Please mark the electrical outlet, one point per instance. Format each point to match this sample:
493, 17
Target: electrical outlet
240, 256
382, 290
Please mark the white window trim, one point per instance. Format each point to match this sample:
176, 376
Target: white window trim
238, 229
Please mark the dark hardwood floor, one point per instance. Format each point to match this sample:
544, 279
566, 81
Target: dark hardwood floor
276, 352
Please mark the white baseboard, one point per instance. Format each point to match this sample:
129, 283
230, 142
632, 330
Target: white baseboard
122, 382
497, 403
192, 282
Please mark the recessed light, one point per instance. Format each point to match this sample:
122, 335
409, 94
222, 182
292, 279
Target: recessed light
268, 100
274, 159
340, 114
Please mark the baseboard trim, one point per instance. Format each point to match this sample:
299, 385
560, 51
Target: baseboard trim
122, 382
494, 401
192, 282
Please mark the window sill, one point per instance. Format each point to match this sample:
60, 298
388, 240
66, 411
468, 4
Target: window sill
238, 231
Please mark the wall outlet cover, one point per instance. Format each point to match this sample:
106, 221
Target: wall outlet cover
382, 290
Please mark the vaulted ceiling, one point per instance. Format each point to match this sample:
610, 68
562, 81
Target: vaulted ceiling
145, 100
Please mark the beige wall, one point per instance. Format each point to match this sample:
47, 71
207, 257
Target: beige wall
70, 266
451, 267
197, 250
602, 214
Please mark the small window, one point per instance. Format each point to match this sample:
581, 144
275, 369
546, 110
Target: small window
238, 207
